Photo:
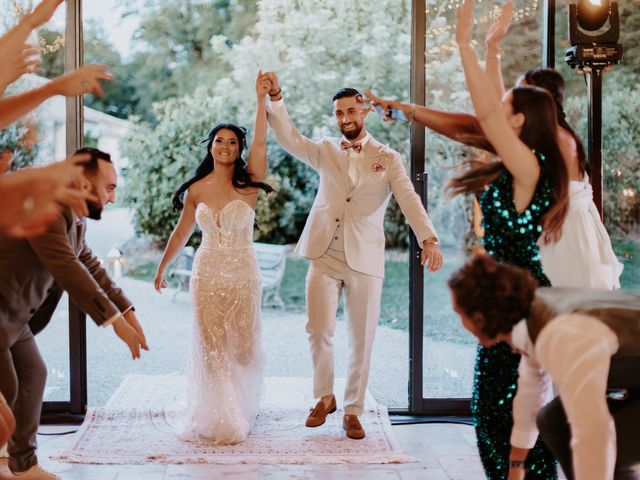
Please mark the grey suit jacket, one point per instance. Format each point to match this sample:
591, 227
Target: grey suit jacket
35, 272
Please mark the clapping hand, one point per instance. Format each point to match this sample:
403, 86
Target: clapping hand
500, 26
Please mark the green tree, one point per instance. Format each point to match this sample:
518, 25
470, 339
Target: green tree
174, 55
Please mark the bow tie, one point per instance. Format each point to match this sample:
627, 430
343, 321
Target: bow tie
344, 145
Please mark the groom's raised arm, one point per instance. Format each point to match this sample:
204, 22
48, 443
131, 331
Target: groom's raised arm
287, 135
289, 138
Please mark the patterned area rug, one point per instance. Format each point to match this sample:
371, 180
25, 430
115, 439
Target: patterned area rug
140, 424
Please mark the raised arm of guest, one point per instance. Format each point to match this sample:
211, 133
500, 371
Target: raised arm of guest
498, 30
257, 163
12, 42
83, 80
457, 126
492, 114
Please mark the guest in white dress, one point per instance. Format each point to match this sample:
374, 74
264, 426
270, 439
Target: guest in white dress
583, 257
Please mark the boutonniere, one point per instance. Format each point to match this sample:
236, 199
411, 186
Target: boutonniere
377, 167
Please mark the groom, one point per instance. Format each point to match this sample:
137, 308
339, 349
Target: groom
344, 239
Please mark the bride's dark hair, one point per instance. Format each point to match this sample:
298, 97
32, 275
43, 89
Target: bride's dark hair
240, 179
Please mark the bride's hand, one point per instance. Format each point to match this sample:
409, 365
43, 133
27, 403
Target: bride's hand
263, 84
159, 282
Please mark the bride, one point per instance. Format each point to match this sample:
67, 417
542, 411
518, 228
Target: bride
226, 364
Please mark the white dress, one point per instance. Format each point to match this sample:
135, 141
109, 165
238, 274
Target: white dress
583, 256
226, 365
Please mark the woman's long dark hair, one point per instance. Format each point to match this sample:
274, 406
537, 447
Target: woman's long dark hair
539, 132
552, 81
240, 179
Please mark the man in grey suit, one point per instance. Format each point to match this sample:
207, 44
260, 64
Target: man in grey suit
33, 274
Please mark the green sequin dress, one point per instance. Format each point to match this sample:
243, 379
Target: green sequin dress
510, 237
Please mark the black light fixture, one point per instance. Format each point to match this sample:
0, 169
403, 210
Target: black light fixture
594, 31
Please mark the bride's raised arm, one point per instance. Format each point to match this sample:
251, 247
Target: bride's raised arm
515, 155
257, 164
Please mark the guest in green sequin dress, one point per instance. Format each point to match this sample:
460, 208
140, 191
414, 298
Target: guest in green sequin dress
525, 194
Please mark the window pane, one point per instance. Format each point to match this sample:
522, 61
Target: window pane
449, 350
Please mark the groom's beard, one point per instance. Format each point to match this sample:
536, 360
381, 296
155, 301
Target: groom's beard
352, 133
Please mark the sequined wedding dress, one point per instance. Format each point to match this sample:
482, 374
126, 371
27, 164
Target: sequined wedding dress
226, 364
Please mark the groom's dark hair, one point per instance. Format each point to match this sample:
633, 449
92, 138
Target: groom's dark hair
346, 92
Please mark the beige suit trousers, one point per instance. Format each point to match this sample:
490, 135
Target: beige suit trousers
328, 276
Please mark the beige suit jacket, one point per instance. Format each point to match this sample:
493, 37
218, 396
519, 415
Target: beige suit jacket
381, 173
34, 272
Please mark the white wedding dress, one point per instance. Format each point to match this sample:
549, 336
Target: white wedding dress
226, 365
583, 256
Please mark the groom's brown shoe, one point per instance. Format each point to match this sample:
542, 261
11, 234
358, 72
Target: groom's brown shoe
352, 426
319, 413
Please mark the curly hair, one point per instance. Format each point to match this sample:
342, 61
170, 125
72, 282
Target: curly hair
502, 294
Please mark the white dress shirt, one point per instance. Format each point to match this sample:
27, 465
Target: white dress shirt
354, 157
575, 351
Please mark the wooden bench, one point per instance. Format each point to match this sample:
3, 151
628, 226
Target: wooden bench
271, 260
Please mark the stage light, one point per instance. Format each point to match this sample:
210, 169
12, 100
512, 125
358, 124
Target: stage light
592, 14
594, 31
